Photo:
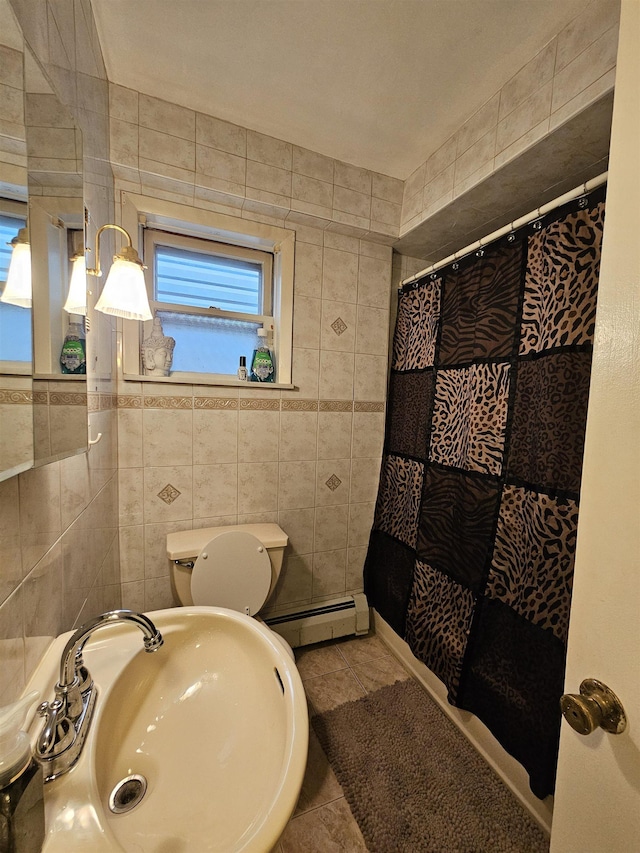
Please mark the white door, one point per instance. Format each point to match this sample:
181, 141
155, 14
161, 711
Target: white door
597, 802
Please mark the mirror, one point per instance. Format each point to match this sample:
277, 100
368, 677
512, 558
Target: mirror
43, 402
16, 411
56, 228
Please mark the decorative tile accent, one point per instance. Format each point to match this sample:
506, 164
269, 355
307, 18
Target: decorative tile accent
16, 397
335, 405
360, 406
333, 482
215, 403
129, 401
67, 398
167, 402
169, 494
299, 405
108, 401
94, 402
41, 398
262, 405
339, 326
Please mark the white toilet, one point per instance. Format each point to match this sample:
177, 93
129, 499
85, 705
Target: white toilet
236, 566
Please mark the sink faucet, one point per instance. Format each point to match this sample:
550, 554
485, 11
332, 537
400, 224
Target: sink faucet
68, 717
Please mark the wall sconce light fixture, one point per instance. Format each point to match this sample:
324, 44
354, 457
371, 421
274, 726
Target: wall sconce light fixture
124, 293
77, 297
17, 290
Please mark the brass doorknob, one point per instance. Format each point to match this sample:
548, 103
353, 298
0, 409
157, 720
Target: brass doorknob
596, 705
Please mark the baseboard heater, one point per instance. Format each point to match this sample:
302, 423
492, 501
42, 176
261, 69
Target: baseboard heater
340, 617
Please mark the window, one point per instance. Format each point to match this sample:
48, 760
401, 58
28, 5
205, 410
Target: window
213, 280
15, 322
211, 297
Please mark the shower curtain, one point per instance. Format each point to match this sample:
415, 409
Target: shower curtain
472, 549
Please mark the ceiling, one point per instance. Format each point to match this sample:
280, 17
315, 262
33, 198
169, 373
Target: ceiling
377, 83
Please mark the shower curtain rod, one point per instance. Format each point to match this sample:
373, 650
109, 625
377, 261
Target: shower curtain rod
582, 189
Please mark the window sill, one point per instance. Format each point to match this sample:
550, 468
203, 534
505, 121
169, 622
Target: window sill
198, 379
64, 377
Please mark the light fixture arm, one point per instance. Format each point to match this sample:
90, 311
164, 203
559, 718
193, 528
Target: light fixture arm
124, 293
127, 253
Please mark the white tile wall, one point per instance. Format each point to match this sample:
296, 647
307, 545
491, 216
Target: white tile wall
308, 459
572, 71
175, 153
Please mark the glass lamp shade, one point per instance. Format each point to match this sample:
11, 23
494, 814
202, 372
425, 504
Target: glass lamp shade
17, 290
124, 293
77, 297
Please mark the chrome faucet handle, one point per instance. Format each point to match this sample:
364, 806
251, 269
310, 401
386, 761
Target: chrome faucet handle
54, 712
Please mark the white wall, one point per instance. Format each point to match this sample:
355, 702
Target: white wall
598, 787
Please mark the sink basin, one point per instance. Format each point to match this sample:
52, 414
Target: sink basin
215, 722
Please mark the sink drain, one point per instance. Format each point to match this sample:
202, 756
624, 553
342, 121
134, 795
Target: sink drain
127, 794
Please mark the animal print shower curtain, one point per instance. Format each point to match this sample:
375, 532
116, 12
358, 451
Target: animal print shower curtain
472, 550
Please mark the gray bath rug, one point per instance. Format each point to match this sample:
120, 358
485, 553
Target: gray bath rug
415, 784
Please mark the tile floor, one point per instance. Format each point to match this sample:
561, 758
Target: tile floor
334, 672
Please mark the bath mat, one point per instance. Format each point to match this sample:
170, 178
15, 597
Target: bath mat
415, 784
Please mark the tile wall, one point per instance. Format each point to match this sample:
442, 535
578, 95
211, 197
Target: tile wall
169, 151
13, 146
58, 523
309, 459
575, 69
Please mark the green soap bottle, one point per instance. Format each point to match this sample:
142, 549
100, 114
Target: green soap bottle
73, 357
262, 367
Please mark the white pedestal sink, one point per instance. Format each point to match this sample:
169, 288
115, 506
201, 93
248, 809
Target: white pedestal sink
215, 722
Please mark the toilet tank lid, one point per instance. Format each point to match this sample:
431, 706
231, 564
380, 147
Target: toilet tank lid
187, 544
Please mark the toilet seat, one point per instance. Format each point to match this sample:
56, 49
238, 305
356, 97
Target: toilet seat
233, 570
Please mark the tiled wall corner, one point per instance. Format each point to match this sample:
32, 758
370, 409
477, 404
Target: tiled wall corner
573, 71
168, 151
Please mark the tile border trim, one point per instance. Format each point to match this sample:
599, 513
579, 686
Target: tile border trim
11, 397
131, 401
